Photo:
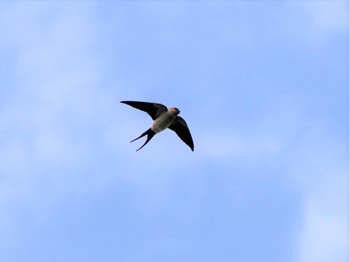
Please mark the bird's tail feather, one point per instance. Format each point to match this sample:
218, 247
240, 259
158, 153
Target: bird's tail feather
150, 133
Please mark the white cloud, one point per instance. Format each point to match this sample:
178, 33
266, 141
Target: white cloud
316, 24
57, 120
54, 92
57, 78
328, 15
248, 146
319, 19
324, 228
319, 166
313, 159
267, 134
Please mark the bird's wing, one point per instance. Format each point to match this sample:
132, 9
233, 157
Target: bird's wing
181, 129
153, 109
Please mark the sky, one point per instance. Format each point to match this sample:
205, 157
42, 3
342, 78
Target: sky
263, 86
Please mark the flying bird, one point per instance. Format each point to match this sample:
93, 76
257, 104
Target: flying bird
163, 118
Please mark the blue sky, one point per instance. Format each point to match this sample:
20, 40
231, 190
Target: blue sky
263, 86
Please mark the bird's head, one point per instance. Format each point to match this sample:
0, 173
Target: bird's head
174, 110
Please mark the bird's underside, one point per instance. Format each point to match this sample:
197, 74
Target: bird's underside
163, 118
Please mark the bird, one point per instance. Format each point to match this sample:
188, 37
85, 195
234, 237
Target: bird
163, 118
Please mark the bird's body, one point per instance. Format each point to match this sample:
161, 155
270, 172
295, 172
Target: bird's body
163, 118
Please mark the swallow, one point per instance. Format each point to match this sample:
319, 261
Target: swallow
163, 118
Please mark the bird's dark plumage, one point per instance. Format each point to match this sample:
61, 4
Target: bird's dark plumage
163, 118
181, 129
150, 133
153, 109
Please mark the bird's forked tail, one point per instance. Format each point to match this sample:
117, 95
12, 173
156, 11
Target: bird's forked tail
150, 133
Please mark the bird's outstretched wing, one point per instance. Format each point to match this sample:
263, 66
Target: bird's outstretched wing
181, 129
153, 109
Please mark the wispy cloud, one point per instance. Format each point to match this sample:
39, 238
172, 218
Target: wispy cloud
328, 16
320, 170
323, 235
62, 133
48, 121
319, 22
